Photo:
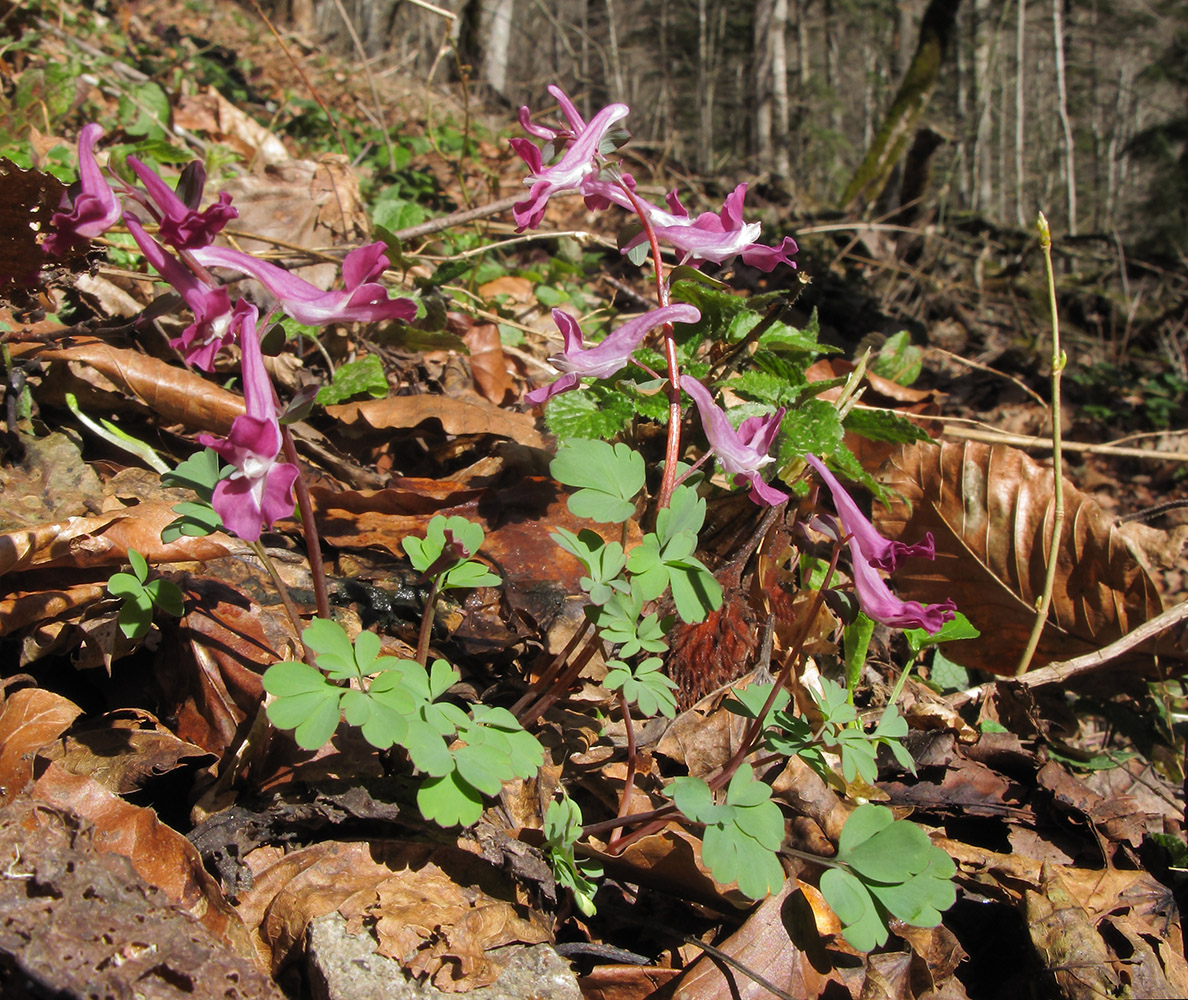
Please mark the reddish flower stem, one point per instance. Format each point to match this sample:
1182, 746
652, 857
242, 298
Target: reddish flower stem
629, 784
672, 450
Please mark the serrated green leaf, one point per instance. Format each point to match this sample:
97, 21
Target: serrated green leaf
884, 425
958, 627
353, 380
596, 412
947, 675
812, 428
450, 801
898, 360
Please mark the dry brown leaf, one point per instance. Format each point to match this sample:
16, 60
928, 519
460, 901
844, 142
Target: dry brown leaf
487, 362
29, 719
160, 855
123, 750
456, 416
212, 113
989, 508
779, 942
625, 982
172, 394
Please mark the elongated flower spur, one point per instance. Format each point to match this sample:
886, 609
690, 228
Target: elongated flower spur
94, 208
580, 163
608, 357
743, 452
211, 306
363, 299
869, 552
260, 490
181, 225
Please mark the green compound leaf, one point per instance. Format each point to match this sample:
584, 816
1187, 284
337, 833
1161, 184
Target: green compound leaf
749, 701
685, 513
562, 828
886, 867
445, 553
200, 473
139, 565
450, 800
166, 596
124, 585
607, 478
604, 561
469, 575
695, 591
335, 652
741, 836
194, 520
364, 377
644, 686
303, 701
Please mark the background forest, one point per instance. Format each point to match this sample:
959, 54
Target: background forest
1075, 107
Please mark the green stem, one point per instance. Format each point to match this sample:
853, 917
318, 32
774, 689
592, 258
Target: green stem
427, 622
1059, 360
290, 608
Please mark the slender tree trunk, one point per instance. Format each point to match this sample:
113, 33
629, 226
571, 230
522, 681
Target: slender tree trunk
981, 189
1070, 164
936, 32
1020, 108
612, 31
781, 113
761, 86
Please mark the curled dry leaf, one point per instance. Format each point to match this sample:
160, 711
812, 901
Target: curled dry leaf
29, 719
989, 508
456, 416
487, 362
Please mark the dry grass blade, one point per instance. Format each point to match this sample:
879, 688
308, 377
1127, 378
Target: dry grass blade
990, 510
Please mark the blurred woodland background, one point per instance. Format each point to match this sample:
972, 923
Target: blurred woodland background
995, 109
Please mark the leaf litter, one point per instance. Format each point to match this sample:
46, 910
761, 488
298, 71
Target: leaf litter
132, 798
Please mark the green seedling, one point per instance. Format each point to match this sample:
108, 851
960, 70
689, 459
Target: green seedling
113, 435
355, 379
562, 829
200, 473
142, 597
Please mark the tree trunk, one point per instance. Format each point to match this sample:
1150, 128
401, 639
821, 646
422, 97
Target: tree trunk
1020, 109
761, 84
982, 190
936, 31
1070, 164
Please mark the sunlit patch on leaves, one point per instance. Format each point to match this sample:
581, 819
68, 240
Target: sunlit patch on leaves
886, 868
396, 702
742, 834
142, 597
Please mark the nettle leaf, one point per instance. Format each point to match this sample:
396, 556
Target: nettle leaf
886, 867
763, 387
608, 477
884, 425
898, 359
364, 377
303, 701
604, 561
812, 428
596, 412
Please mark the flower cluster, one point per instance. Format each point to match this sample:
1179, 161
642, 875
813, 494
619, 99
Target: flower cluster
871, 552
583, 167
260, 490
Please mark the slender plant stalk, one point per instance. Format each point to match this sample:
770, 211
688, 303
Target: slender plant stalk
551, 670
427, 622
313, 544
290, 608
629, 783
672, 450
1059, 360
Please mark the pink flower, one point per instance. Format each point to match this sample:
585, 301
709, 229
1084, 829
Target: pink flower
743, 452
260, 491
880, 552
713, 236
879, 603
870, 552
608, 357
181, 226
363, 299
94, 208
580, 163
211, 329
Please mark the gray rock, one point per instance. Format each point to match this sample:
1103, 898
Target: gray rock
345, 966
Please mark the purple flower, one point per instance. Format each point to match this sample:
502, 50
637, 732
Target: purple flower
260, 491
743, 452
883, 606
880, 552
181, 225
610, 356
714, 236
363, 299
870, 552
94, 209
579, 164
211, 329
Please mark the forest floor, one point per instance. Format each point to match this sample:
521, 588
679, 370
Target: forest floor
157, 838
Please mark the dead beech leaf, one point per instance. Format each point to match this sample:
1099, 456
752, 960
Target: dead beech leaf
123, 750
212, 113
989, 508
174, 395
29, 719
778, 941
626, 982
1066, 939
160, 855
456, 416
487, 362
